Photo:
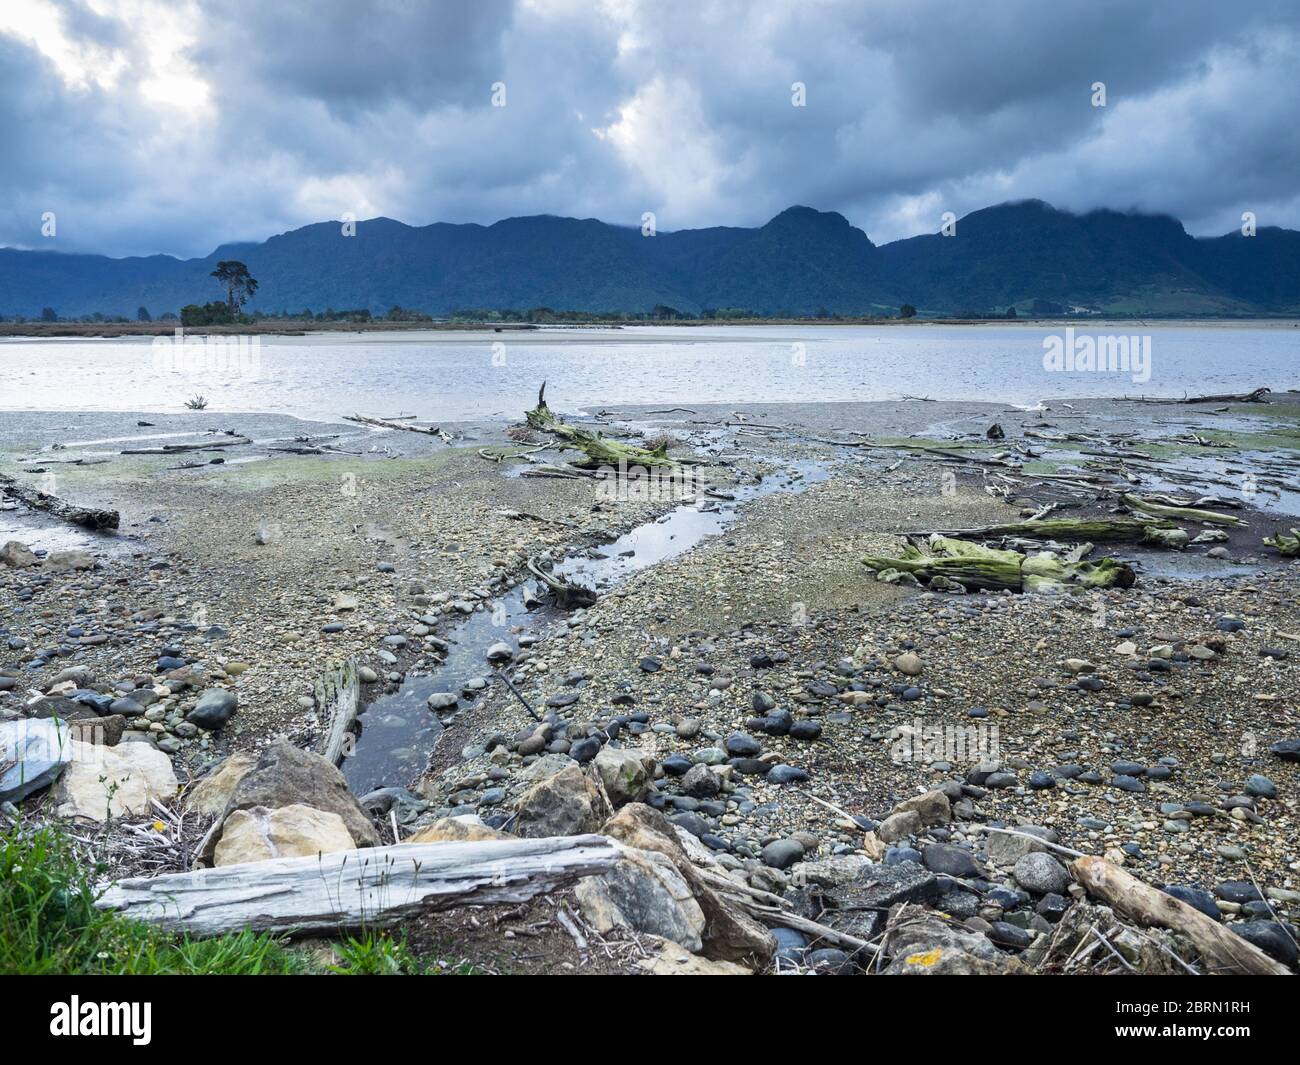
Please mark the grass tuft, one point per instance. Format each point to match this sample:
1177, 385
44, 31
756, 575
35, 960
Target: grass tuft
49, 924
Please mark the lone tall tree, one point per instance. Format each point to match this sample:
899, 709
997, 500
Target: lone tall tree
240, 284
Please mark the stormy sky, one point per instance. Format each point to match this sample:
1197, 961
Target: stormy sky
176, 125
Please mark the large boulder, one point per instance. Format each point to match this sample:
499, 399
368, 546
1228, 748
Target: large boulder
65, 561
210, 796
102, 782
643, 892
17, 554
286, 775
456, 830
296, 831
32, 755
920, 940
625, 774
730, 933
567, 803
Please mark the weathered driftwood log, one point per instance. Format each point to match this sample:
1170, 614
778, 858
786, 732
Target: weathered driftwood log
87, 517
951, 451
1222, 950
984, 568
1260, 395
385, 423
1075, 529
1288, 546
600, 450
338, 701
568, 594
351, 889
1160, 510
176, 449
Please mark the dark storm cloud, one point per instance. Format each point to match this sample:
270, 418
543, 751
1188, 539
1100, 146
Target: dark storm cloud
914, 107
353, 55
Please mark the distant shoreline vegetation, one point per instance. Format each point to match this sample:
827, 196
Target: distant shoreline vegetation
229, 314
215, 317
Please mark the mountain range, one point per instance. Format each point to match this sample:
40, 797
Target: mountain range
1029, 255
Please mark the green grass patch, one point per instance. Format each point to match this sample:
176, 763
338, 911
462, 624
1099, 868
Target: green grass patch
1278, 438
49, 924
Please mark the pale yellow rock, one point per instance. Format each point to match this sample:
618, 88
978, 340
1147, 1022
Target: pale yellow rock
873, 847
625, 773
900, 826
296, 831
209, 796
933, 807
453, 829
908, 664
102, 782
670, 959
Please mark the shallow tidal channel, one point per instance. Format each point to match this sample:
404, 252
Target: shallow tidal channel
399, 729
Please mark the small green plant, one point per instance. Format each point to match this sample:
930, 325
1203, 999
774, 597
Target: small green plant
374, 954
196, 403
49, 924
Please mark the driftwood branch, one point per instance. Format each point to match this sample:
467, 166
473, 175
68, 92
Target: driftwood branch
385, 423
976, 567
87, 517
1097, 530
338, 700
351, 889
1260, 395
600, 450
1223, 950
177, 449
1147, 506
568, 594
1287, 546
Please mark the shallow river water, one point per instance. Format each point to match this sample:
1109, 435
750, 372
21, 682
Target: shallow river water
470, 375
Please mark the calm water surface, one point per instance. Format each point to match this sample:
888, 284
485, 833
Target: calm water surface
468, 375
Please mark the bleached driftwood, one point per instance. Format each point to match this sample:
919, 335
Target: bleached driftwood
176, 449
1223, 950
386, 423
338, 701
360, 888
